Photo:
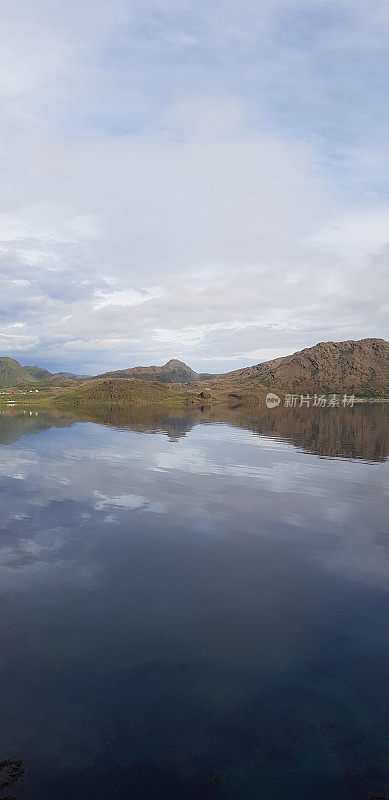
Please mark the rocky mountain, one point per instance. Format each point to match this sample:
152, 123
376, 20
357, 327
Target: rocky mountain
172, 372
355, 367
359, 367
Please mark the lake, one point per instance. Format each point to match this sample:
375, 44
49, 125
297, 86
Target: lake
195, 606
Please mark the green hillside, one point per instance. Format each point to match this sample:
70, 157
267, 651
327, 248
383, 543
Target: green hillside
112, 392
39, 373
13, 374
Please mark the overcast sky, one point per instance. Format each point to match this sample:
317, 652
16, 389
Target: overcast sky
198, 179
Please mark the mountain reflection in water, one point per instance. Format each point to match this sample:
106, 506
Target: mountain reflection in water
359, 432
195, 605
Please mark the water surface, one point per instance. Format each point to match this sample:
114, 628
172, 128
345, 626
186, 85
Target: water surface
195, 606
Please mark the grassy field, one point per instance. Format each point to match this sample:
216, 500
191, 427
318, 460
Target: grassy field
22, 400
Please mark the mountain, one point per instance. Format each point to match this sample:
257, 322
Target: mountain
72, 375
39, 373
172, 372
359, 367
13, 374
58, 380
351, 367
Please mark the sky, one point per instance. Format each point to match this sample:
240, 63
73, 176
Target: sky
196, 179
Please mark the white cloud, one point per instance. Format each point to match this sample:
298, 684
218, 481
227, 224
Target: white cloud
127, 298
199, 178
361, 231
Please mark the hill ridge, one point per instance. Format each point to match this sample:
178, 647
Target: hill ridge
174, 371
359, 366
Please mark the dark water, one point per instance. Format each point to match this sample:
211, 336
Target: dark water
195, 607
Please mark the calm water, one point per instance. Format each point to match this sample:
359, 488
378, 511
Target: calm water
196, 607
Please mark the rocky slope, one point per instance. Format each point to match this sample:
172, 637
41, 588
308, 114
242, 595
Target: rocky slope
359, 367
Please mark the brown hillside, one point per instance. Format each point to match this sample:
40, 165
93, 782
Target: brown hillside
360, 367
173, 372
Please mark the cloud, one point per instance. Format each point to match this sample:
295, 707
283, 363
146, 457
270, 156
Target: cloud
127, 298
198, 180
